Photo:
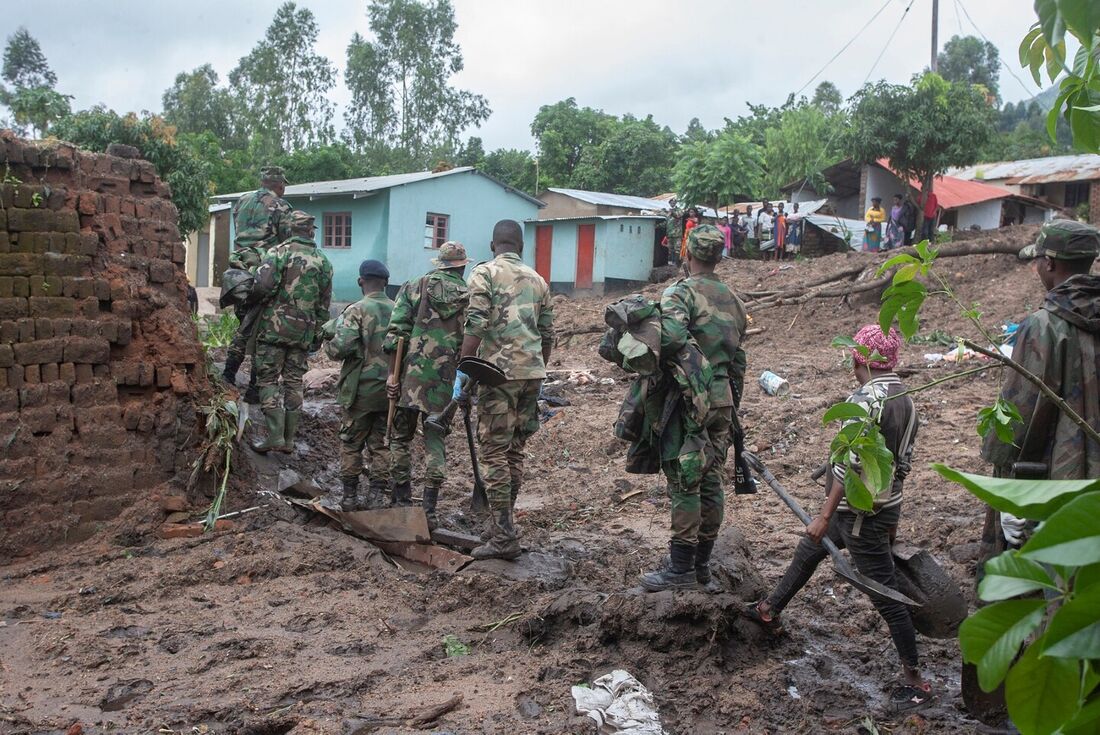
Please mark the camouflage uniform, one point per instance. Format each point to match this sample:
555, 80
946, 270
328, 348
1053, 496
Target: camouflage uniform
361, 390
295, 283
674, 231
260, 222
428, 314
511, 312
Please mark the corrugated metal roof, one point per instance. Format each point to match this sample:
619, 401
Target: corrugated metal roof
1079, 167
371, 184
595, 216
612, 200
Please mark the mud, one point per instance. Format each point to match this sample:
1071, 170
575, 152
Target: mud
290, 625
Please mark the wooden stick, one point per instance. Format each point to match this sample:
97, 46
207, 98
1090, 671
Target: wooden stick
796, 315
398, 364
432, 714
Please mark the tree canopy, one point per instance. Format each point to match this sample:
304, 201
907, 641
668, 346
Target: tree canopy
32, 99
970, 59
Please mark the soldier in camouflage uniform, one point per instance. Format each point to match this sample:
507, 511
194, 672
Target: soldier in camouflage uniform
357, 337
674, 230
510, 324
259, 220
428, 314
1061, 344
294, 284
703, 310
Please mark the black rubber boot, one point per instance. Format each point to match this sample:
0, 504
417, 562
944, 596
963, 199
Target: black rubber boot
402, 494
229, 374
503, 544
351, 486
431, 497
372, 497
678, 574
252, 393
703, 576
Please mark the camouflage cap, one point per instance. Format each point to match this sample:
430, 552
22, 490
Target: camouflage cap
300, 222
1064, 239
706, 243
273, 173
451, 255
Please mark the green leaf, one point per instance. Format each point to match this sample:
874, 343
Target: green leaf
1042, 692
906, 273
1086, 721
896, 260
1009, 575
1082, 16
926, 252
1074, 632
844, 412
857, 494
1086, 577
1050, 20
842, 341
991, 637
1071, 535
1032, 499
877, 462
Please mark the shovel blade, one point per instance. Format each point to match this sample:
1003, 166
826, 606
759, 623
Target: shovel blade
868, 585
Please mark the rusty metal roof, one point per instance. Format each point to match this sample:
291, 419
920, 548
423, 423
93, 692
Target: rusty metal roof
1078, 167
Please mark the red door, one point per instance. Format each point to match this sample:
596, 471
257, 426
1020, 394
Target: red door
586, 250
544, 238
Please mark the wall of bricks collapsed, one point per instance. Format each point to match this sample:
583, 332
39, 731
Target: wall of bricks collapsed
98, 354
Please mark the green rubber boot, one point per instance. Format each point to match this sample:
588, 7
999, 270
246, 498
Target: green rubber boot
290, 430
276, 423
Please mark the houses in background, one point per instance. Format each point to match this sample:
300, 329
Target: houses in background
1071, 183
593, 253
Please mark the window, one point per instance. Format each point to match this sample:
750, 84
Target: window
435, 230
336, 232
1076, 193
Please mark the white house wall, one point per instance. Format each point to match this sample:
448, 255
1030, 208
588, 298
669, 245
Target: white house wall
986, 215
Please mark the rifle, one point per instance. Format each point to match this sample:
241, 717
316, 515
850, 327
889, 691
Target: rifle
398, 364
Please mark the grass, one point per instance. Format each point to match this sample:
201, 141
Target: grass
216, 331
454, 647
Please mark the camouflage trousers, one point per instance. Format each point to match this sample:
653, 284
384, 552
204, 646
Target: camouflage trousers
364, 430
275, 362
507, 416
697, 508
435, 453
240, 344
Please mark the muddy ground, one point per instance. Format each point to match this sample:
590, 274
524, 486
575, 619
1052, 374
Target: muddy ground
286, 624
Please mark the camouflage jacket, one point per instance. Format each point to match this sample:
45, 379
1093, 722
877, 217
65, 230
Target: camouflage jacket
510, 310
294, 286
674, 224
705, 309
357, 341
428, 313
256, 219
1060, 343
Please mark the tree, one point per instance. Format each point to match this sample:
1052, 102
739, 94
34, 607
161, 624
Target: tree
971, 60
281, 87
472, 154
514, 167
697, 133
177, 165
38, 107
827, 98
635, 157
195, 104
564, 131
32, 99
715, 173
25, 66
805, 141
400, 82
924, 129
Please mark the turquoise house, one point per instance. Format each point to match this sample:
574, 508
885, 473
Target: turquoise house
402, 220
593, 254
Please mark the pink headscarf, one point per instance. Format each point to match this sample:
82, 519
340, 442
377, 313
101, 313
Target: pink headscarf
887, 345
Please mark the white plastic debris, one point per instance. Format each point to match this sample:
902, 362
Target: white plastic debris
619, 703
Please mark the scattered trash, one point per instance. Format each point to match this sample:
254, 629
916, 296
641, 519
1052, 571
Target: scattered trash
793, 691
454, 647
773, 384
320, 379
619, 703
51, 615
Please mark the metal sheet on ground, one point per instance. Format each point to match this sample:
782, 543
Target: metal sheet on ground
436, 557
405, 523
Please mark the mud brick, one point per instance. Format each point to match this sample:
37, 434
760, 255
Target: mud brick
87, 203
131, 417
26, 330
102, 289
34, 396
103, 417
86, 350
145, 374
87, 307
84, 374
3, 218
66, 373
89, 243
126, 309
179, 254
13, 308
43, 328
20, 264
7, 356
51, 306
109, 184
83, 328
180, 385
20, 286
58, 242
77, 287
101, 371
40, 420
9, 332
126, 373
31, 375
164, 376
125, 332
111, 204
5, 240
107, 329
119, 291
62, 327
59, 264
50, 372
72, 244
39, 351
5, 287
17, 469
23, 242
9, 399
161, 271
41, 286
99, 436
95, 393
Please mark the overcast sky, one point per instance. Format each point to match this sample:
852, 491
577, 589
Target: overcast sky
675, 60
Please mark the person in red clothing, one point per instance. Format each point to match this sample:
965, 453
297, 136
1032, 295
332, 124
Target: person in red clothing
931, 214
690, 221
780, 233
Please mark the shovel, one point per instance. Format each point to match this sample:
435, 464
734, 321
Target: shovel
480, 371
479, 501
840, 564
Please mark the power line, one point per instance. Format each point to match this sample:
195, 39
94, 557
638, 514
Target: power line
1006, 66
843, 48
889, 40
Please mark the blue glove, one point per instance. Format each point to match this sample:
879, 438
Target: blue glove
459, 392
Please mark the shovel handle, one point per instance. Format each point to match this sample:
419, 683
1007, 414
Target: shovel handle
398, 364
791, 503
479, 501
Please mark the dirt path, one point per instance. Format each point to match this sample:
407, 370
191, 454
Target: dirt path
288, 625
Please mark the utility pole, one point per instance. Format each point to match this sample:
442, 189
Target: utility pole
935, 32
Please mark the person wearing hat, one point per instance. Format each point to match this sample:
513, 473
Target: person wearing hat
357, 337
1060, 342
294, 289
700, 310
674, 230
258, 224
428, 314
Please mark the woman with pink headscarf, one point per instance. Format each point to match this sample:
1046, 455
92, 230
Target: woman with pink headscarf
868, 536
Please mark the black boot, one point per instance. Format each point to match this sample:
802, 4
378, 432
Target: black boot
678, 574
252, 393
503, 544
402, 494
229, 374
703, 576
351, 486
431, 497
373, 496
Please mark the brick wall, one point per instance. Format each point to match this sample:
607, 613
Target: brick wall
98, 354
1094, 202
